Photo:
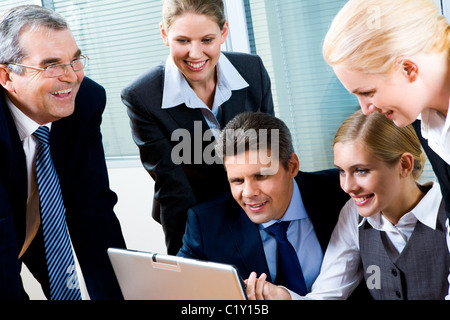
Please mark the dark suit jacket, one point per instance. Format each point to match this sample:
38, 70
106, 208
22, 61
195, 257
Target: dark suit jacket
179, 187
440, 167
220, 231
78, 156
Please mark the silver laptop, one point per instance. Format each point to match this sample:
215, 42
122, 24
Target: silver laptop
154, 276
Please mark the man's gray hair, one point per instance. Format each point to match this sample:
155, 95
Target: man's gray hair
23, 18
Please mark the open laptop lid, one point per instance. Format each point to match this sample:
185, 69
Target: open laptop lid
154, 276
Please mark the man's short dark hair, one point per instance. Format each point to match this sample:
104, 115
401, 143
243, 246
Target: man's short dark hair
251, 131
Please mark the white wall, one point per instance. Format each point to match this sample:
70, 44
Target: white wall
134, 188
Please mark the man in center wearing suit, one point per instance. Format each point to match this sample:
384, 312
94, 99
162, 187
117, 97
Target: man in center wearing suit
233, 228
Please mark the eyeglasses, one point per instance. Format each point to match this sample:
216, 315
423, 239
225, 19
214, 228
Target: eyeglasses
57, 70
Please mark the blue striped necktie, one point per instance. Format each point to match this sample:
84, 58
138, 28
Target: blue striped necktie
60, 262
289, 271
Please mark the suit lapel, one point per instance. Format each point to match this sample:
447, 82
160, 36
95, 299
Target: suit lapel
307, 192
186, 117
193, 121
235, 105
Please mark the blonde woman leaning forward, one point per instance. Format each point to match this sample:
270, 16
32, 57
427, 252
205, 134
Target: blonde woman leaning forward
391, 233
394, 56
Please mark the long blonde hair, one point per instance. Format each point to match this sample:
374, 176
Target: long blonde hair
369, 35
382, 138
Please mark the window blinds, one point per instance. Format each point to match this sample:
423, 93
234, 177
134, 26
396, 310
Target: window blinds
122, 40
288, 35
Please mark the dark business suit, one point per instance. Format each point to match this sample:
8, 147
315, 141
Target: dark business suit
179, 187
78, 156
440, 167
219, 230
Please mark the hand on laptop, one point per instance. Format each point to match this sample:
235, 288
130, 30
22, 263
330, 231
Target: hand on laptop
260, 289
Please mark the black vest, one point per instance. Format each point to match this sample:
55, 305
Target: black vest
419, 273
440, 167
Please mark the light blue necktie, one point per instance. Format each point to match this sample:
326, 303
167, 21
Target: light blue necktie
289, 271
58, 251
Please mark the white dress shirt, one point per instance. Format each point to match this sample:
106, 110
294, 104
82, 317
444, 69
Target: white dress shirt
341, 269
300, 234
177, 90
436, 129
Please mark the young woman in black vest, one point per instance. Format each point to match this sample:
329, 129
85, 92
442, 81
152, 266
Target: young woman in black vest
391, 233
395, 57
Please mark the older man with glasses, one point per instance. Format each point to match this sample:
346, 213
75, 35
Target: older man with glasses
56, 206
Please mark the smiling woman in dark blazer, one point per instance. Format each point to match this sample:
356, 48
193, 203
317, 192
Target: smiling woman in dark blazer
198, 89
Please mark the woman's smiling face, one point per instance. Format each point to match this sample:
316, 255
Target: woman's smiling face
195, 42
394, 95
373, 185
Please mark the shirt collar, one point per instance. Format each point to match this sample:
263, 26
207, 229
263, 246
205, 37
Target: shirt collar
228, 79
426, 211
432, 119
25, 125
436, 129
296, 209
229, 74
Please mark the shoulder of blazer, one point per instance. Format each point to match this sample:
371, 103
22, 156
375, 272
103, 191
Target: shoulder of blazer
219, 205
9, 135
91, 94
314, 185
226, 211
323, 199
246, 64
152, 80
241, 60
330, 174
90, 103
90, 86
